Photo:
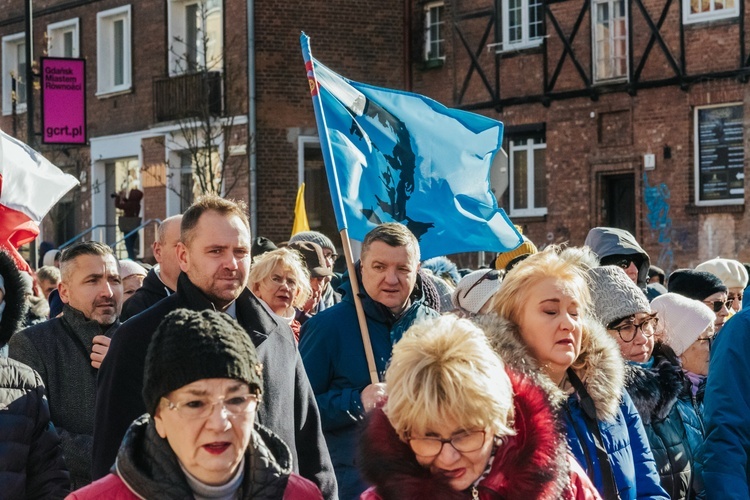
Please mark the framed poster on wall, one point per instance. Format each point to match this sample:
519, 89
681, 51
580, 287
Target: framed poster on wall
720, 157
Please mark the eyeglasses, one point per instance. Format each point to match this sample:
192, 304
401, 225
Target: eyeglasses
706, 339
737, 296
625, 263
463, 443
717, 305
491, 275
279, 281
235, 406
628, 331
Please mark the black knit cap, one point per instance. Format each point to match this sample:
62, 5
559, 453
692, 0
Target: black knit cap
193, 345
694, 284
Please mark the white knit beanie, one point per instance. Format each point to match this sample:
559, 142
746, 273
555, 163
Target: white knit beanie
471, 296
130, 268
684, 319
614, 294
731, 272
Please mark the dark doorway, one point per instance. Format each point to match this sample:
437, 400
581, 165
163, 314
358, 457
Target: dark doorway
619, 201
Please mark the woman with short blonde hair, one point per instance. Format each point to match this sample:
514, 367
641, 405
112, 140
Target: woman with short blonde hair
458, 422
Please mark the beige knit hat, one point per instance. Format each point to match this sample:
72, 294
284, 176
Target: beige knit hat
731, 272
476, 289
684, 319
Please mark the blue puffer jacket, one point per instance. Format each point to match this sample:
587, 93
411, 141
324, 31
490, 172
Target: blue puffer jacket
726, 451
334, 358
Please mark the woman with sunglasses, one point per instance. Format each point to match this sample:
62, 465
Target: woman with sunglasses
202, 384
654, 375
705, 287
546, 325
617, 247
459, 424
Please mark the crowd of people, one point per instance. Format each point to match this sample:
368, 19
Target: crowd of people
238, 368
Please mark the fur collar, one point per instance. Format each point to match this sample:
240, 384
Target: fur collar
654, 391
602, 372
531, 464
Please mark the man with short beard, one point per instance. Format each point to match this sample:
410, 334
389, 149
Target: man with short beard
67, 351
214, 256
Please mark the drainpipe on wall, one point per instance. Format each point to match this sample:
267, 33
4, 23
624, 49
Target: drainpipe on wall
252, 129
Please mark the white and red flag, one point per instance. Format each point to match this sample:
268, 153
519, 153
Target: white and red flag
29, 187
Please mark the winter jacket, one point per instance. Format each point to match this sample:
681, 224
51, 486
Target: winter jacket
60, 350
623, 435
670, 423
151, 292
726, 451
146, 467
606, 241
287, 408
532, 464
334, 356
31, 458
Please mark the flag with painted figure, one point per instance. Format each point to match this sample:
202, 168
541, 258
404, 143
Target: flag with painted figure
394, 156
29, 187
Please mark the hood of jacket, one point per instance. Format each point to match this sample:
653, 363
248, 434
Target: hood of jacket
601, 365
150, 469
14, 313
531, 464
605, 241
153, 284
654, 390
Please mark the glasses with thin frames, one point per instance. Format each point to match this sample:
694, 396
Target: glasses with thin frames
235, 406
710, 340
717, 305
628, 331
465, 442
279, 281
491, 275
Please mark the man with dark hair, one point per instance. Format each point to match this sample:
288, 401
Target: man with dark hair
214, 256
333, 351
67, 351
161, 280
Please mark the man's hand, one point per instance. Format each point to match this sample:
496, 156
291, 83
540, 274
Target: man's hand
99, 350
374, 396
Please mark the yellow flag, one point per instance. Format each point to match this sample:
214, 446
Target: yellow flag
300, 214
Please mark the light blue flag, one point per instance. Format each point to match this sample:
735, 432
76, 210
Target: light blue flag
393, 156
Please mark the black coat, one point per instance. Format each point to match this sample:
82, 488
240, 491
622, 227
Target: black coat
31, 459
655, 393
288, 407
151, 292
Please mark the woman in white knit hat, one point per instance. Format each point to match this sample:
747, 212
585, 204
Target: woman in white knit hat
732, 273
473, 293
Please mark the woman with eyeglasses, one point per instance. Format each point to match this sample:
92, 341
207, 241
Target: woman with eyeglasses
705, 287
546, 325
459, 424
281, 281
202, 384
654, 375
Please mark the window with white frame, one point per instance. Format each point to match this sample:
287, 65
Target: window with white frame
522, 24
196, 36
528, 179
14, 72
63, 39
696, 11
434, 36
610, 40
113, 51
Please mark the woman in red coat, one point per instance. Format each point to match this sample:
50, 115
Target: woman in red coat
459, 424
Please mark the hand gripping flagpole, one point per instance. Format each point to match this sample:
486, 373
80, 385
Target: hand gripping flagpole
338, 206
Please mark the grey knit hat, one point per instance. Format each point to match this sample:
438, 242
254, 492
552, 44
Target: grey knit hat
614, 294
316, 237
193, 345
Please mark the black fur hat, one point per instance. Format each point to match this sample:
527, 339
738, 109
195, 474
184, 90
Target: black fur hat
14, 312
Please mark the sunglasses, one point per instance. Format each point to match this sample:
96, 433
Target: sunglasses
717, 305
491, 275
737, 296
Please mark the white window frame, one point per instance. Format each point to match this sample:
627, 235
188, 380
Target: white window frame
526, 41
105, 50
10, 45
177, 29
55, 37
712, 15
428, 23
697, 159
594, 45
527, 145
